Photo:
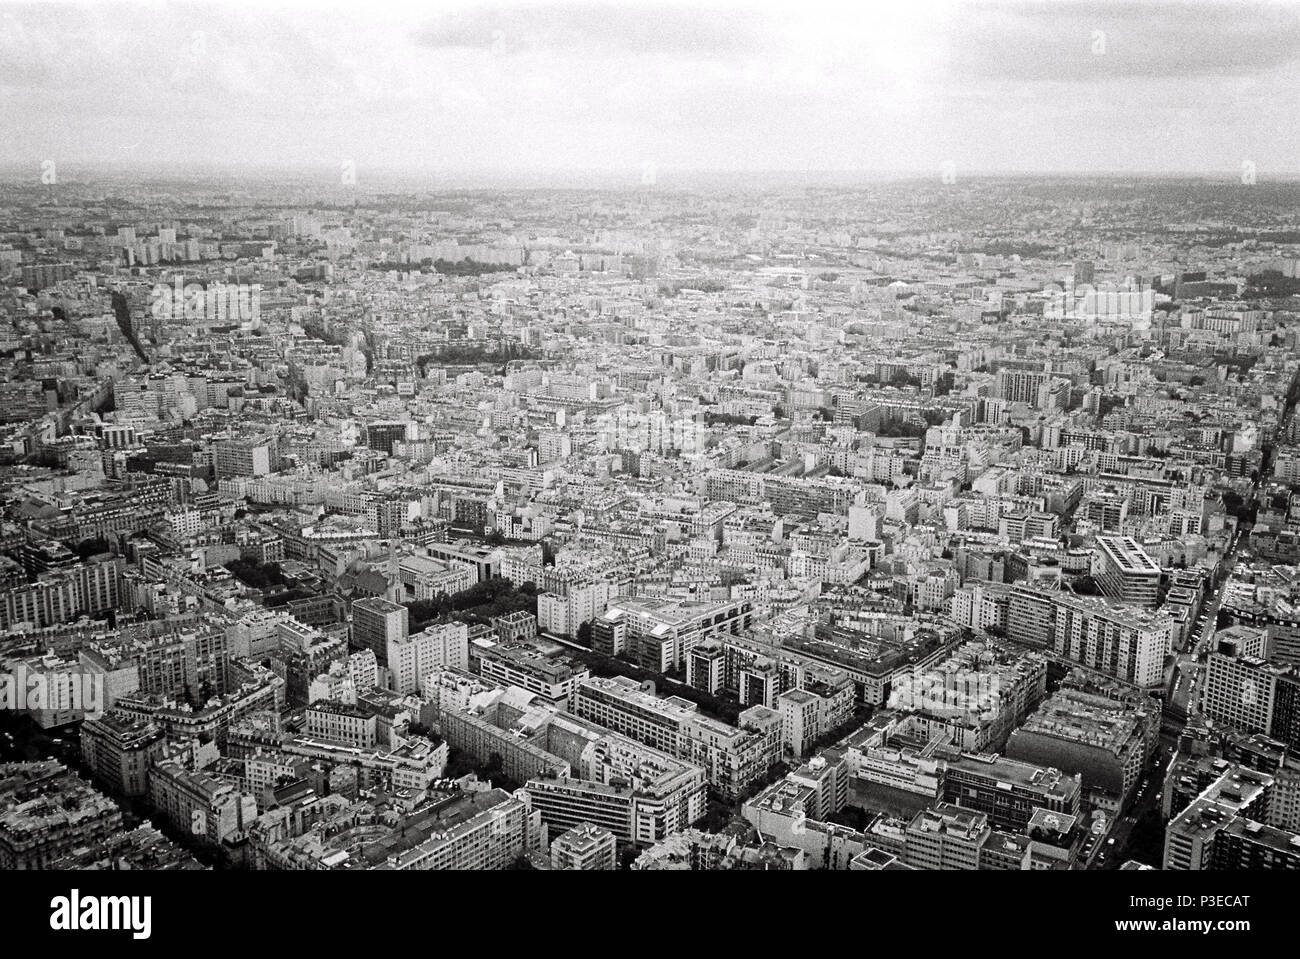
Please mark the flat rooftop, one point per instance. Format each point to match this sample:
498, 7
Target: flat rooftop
1128, 555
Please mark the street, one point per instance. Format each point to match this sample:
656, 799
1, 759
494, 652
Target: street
1182, 700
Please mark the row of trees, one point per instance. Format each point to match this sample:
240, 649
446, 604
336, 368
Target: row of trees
460, 763
471, 352
608, 666
496, 596
910, 427
469, 267
257, 575
703, 285
466, 267
733, 419
899, 378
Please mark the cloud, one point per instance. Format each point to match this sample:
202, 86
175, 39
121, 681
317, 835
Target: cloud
1066, 42
601, 28
705, 85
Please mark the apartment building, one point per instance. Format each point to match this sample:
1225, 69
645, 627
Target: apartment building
119, 751
412, 658
657, 634
46, 812
202, 805
584, 847
1128, 642
975, 696
553, 678
490, 830
341, 723
733, 757
424, 577
1191, 837
945, 837
1105, 741
1125, 572
376, 622
1007, 790
1251, 694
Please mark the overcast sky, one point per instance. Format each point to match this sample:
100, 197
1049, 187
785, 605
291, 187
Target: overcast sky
902, 86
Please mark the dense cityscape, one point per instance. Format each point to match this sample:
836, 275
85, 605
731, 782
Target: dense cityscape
911, 524
514, 441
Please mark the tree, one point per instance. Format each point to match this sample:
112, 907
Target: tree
255, 574
1085, 585
902, 428
458, 764
494, 772
628, 855
92, 547
732, 419
496, 596
1108, 402
1234, 505
468, 267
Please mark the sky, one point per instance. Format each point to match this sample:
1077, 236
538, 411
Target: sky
640, 89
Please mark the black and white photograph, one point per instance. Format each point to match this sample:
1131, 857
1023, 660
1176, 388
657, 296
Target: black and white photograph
645, 436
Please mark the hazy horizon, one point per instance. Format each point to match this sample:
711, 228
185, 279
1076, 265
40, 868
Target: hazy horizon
639, 90
372, 179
